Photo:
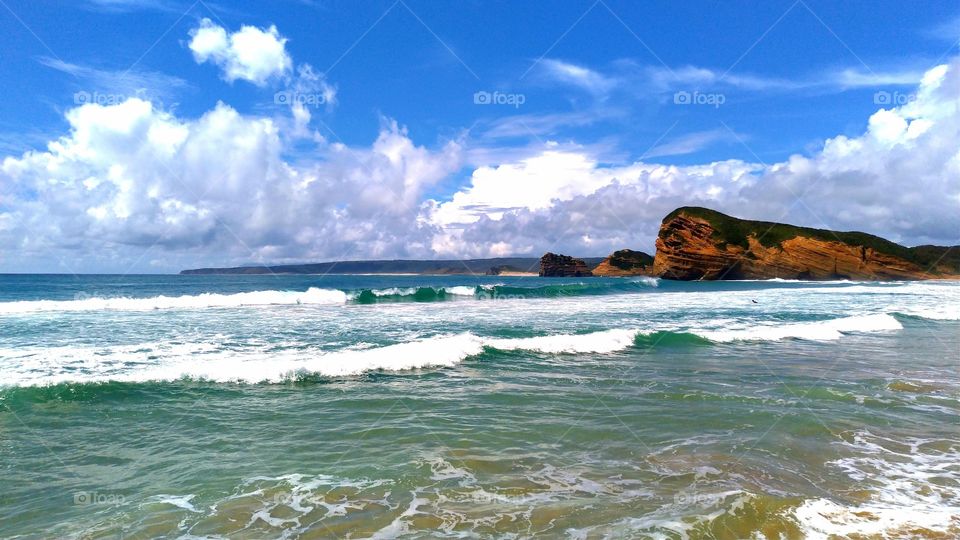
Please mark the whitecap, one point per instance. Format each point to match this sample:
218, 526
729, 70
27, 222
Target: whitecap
312, 296
597, 342
831, 329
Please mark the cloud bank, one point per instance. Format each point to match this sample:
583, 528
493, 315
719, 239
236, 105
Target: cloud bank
133, 186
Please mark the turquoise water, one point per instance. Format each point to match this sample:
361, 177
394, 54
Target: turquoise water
384, 406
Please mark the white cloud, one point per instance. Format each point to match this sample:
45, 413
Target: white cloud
579, 76
850, 78
119, 84
252, 54
220, 189
130, 180
900, 179
123, 6
535, 125
692, 142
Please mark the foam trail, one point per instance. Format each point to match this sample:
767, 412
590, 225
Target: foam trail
210, 361
442, 351
461, 290
938, 313
597, 342
395, 291
914, 491
818, 330
313, 296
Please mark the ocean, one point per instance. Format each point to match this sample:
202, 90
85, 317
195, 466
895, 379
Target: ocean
475, 407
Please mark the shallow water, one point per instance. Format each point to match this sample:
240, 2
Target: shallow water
365, 406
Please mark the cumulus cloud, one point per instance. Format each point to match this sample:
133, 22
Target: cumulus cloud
900, 179
129, 179
132, 182
252, 54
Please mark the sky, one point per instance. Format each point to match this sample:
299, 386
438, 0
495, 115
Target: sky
148, 136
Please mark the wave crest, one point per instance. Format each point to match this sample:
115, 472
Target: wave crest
312, 296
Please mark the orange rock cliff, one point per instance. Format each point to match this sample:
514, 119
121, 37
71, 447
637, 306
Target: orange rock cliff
698, 243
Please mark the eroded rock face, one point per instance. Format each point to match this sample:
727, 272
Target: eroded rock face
554, 265
625, 262
691, 247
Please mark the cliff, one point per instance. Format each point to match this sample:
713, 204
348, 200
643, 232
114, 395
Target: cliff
625, 262
553, 265
698, 243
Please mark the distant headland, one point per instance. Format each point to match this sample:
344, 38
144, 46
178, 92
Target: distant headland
694, 243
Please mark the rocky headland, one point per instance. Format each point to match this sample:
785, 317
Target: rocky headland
699, 243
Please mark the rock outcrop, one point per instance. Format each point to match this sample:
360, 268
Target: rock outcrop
625, 262
698, 243
554, 265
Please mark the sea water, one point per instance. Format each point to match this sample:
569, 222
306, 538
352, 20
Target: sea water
454, 406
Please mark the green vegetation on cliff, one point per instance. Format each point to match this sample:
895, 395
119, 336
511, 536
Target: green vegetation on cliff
628, 259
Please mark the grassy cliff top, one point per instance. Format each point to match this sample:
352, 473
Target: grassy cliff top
628, 259
731, 230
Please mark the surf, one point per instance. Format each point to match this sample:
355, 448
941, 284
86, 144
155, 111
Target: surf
272, 363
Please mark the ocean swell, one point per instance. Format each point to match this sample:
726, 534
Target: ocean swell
256, 364
312, 296
320, 296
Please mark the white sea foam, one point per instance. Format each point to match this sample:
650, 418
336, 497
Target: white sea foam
273, 362
206, 361
395, 291
817, 330
311, 296
460, 290
177, 500
943, 312
597, 342
915, 486
443, 351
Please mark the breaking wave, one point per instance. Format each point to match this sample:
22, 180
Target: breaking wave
319, 296
312, 296
212, 362
818, 330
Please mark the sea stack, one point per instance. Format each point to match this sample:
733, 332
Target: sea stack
554, 265
625, 262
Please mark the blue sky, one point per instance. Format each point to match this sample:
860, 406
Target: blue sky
604, 79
